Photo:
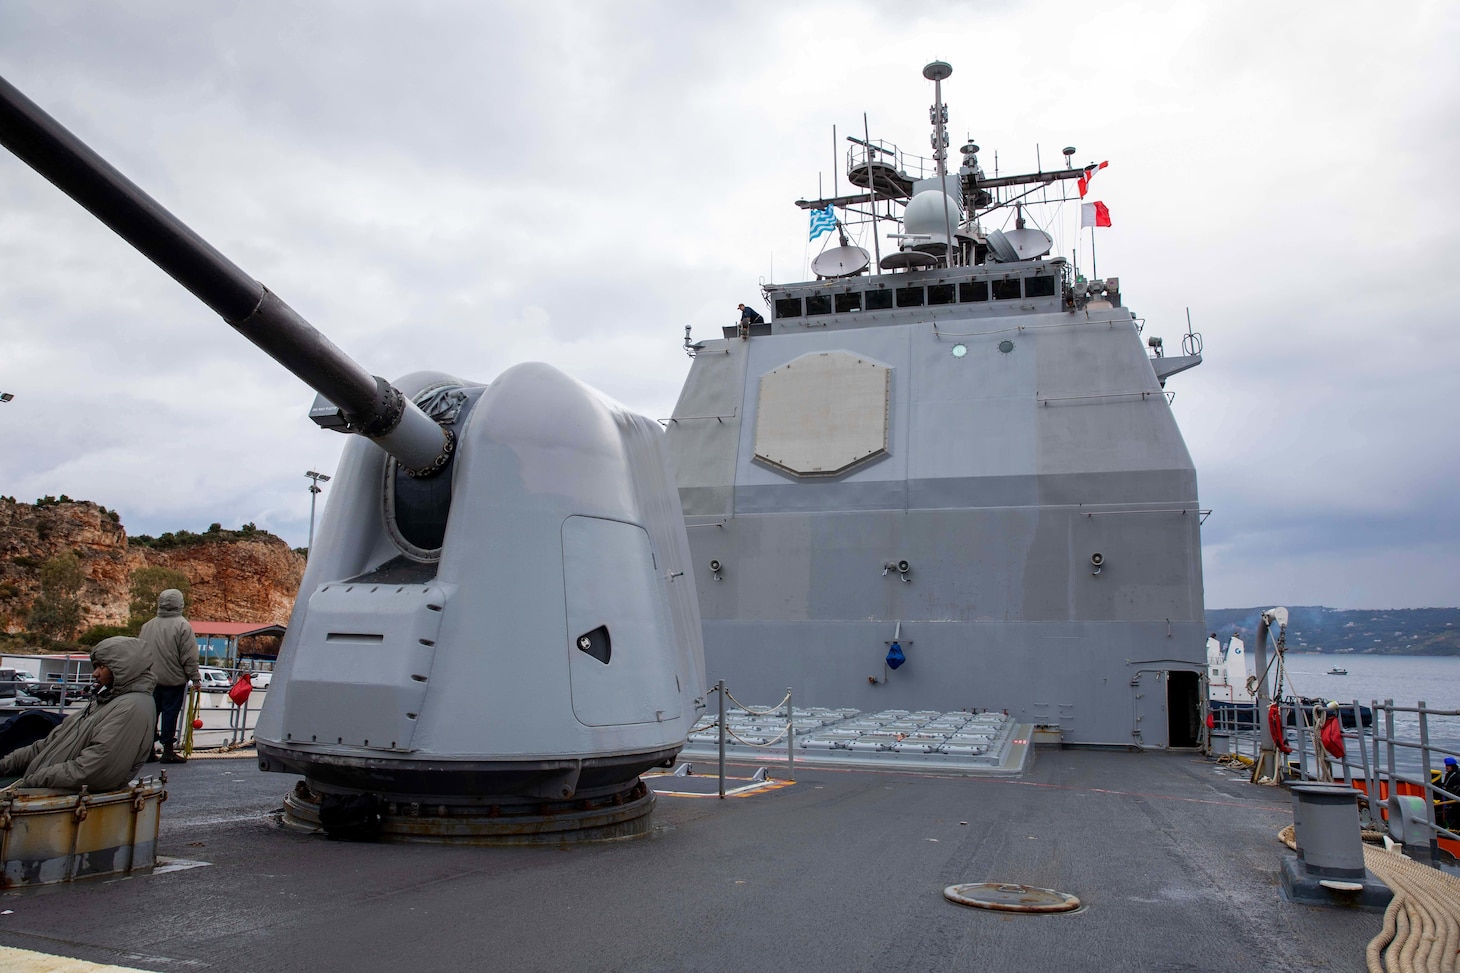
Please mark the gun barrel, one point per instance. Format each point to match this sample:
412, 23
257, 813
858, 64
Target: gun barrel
373, 407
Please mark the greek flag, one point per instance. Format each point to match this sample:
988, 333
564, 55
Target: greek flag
822, 221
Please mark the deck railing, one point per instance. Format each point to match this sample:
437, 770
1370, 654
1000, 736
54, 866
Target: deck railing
1389, 745
1394, 762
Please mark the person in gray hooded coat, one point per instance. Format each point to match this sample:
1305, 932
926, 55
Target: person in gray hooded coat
174, 650
103, 745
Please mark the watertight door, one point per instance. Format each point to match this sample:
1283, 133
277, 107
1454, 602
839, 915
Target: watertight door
1148, 709
1183, 708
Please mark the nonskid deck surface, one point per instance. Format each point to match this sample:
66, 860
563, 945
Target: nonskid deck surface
1176, 861
953, 742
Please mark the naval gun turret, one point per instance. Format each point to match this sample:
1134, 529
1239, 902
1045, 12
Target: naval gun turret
497, 631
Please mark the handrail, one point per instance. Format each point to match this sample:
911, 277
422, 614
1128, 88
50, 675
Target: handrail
1380, 764
1375, 749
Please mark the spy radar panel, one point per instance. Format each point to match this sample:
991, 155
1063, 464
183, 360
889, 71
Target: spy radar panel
822, 414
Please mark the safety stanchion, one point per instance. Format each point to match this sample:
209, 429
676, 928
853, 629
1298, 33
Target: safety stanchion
720, 690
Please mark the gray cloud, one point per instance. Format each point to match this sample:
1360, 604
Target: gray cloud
462, 186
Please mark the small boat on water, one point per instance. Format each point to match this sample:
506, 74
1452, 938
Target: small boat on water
1338, 671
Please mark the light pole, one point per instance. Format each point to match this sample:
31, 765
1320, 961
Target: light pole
314, 491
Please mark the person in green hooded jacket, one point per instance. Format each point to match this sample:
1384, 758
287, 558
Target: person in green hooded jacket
105, 744
174, 650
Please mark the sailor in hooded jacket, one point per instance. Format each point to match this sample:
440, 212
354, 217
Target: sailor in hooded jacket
104, 745
174, 651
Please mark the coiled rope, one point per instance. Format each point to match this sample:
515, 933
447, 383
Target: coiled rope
1422, 924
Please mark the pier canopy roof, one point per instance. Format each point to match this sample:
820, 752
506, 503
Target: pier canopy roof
266, 638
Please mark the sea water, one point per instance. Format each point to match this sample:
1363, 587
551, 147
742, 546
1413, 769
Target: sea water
1406, 679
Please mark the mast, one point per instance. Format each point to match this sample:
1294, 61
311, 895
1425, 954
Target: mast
871, 191
935, 72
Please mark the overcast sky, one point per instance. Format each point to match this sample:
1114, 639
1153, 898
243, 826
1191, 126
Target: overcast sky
464, 186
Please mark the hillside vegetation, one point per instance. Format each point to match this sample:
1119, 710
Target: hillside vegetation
1402, 631
69, 575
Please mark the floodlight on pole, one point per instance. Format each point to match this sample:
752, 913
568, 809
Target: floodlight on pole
314, 491
6, 396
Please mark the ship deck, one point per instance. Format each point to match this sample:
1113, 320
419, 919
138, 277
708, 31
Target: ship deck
1175, 860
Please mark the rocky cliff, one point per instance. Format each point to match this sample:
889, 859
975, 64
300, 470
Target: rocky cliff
234, 578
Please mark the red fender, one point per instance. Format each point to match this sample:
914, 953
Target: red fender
240, 690
1332, 736
1275, 724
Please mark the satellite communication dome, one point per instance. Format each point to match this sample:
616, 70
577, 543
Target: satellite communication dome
932, 213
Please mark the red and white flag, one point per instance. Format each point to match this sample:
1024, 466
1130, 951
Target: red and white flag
1084, 181
1094, 214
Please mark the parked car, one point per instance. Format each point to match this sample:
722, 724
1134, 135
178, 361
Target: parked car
213, 678
15, 690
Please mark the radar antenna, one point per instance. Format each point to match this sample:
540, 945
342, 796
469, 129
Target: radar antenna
842, 261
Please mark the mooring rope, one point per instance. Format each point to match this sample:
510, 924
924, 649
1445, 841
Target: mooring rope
190, 713
758, 712
1320, 753
768, 743
1422, 924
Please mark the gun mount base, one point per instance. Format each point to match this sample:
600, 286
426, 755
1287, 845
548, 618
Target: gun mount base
614, 814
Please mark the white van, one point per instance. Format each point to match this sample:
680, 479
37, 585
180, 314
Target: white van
214, 678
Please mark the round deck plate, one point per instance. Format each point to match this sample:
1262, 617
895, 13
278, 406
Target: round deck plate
1011, 898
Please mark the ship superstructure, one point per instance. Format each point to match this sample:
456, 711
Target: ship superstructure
968, 454
1227, 677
